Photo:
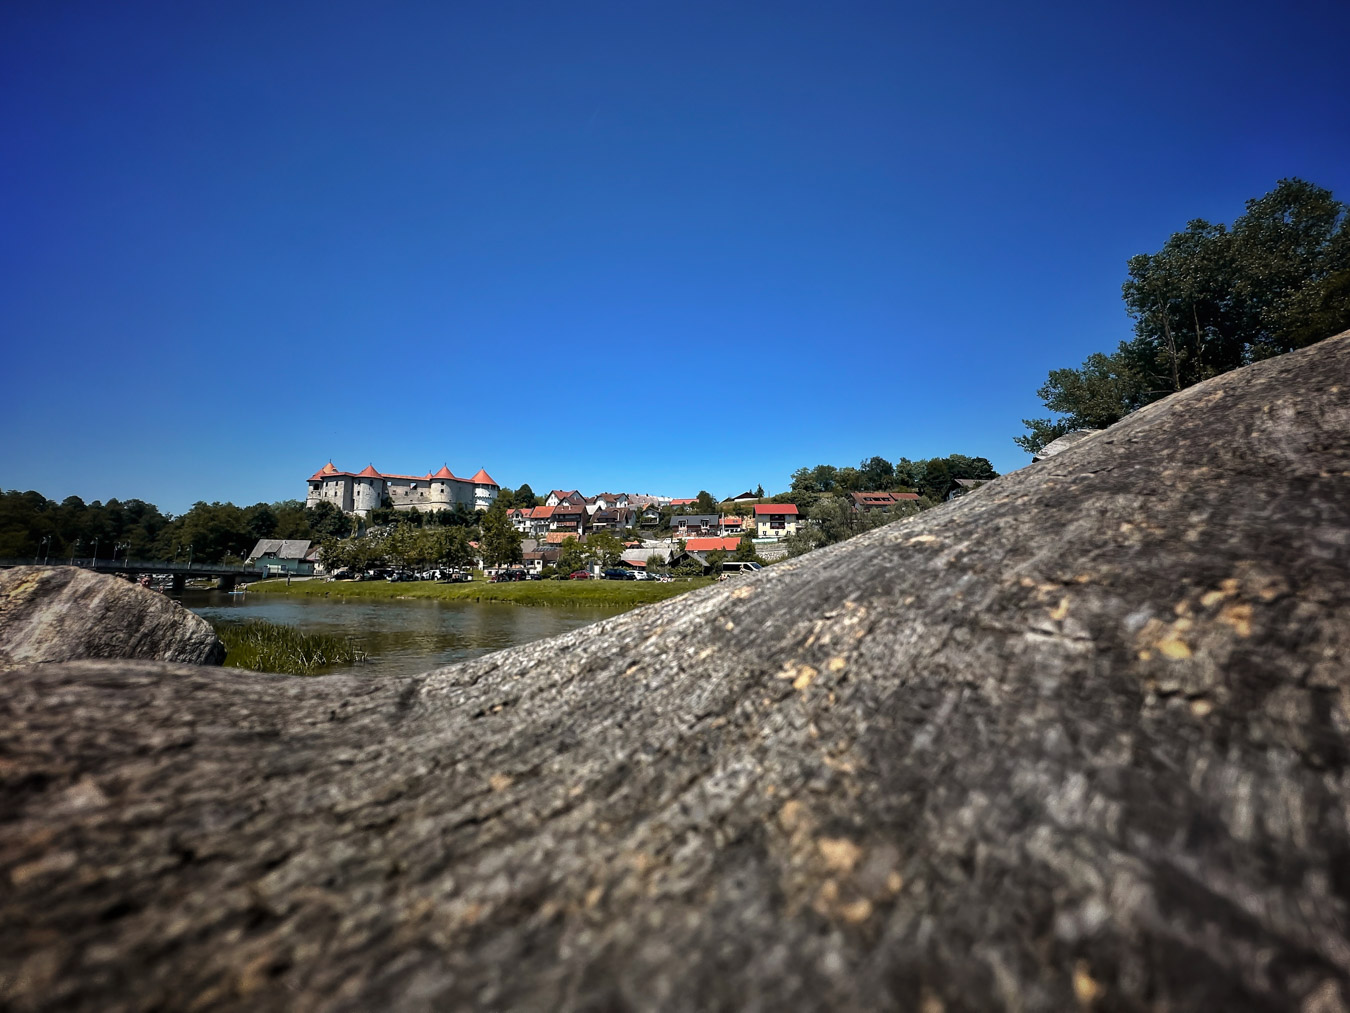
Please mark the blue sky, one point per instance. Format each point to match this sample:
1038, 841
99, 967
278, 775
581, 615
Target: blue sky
640, 246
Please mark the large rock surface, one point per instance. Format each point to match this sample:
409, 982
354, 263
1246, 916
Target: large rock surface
63, 613
1077, 740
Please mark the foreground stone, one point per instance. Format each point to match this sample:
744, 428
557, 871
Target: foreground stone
1077, 740
63, 613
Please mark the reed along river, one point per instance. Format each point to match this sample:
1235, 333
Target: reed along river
402, 636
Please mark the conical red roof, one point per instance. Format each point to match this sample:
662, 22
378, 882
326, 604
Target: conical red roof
443, 473
327, 469
482, 478
368, 472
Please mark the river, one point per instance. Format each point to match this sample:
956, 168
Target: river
402, 637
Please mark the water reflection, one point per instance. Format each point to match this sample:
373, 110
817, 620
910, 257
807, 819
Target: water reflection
402, 637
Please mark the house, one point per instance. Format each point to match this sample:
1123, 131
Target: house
638, 557
282, 556
683, 502
558, 537
711, 544
746, 497
650, 516
731, 524
565, 496
534, 560
684, 525
775, 520
531, 521
610, 500
865, 501
572, 519
961, 486
617, 518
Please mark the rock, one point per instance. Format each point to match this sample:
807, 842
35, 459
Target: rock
62, 613
1081, 741
1063, 443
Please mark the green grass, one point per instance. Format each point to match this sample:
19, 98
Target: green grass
267, 647
599, 593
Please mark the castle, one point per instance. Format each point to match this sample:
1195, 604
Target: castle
362, 491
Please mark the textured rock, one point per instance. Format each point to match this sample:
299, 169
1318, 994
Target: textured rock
1077, 740
1064, 443
63, 613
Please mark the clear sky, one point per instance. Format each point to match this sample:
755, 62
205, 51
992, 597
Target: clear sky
652, 247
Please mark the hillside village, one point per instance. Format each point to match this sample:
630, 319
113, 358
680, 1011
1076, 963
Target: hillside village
413, 523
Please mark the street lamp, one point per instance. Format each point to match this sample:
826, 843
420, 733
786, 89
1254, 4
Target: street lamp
122, 545
74, 546
46, 541
94, 561
189, 557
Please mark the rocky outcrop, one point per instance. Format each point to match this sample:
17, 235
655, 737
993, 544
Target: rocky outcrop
1080, 741
1064, 442
62, 613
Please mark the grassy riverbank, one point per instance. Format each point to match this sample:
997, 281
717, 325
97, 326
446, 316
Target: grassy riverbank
600, 593
267, 647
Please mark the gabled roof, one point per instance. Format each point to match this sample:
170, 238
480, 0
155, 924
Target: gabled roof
774, 508
483, 478
683, 502
731, 520
281, 548
542, 513
708, 544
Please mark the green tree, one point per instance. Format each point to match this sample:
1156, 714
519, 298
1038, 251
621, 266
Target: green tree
1211, 300
745, 551
604, 547
876, 473
571, 557
1103, 391
500, 541
704, 503
525, 497
715, 560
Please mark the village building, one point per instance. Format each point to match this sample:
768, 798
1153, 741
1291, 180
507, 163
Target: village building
775, 520
363, 491
685, 525
283, 556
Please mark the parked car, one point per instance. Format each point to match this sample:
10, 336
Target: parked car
618, 574
739, 567
455, 577
642, 575
579, 575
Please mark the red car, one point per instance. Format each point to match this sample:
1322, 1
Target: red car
579, 575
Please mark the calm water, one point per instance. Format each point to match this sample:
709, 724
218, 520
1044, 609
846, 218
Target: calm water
402, 637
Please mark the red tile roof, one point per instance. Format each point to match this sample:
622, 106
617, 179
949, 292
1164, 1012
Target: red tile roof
542, 513
369, 472
774, 508
443, 473
558, 537
708, 544
731, 521
683, 502
483, 478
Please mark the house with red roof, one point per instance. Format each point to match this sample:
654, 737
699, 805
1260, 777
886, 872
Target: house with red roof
776, 520
363, 491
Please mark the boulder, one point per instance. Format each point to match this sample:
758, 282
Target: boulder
1081, 741
1063, 443
62, 613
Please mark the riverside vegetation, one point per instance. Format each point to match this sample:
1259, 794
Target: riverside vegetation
604, 593
267, 647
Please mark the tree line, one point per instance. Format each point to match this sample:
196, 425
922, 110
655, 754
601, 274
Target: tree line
33, 526
1214, 298
932, 478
